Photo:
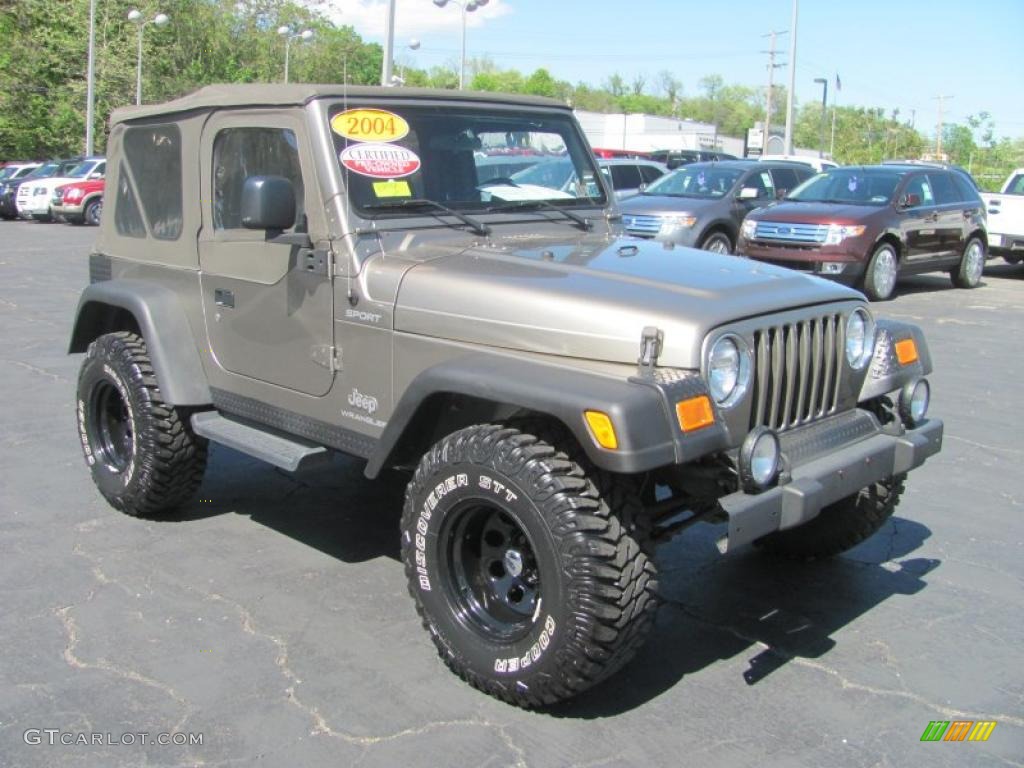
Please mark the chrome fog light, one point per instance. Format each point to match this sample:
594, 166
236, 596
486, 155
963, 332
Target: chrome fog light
759, 459
832, 267
914, 400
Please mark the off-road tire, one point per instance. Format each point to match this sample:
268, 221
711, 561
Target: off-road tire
839, 526
879, 259
966, 274
159, 462
597, 588
717, 237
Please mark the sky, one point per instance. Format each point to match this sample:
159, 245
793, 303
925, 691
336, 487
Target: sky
895, 54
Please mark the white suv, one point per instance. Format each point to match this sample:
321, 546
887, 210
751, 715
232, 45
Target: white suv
35, 196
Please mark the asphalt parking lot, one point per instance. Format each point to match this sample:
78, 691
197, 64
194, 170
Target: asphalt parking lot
271, 616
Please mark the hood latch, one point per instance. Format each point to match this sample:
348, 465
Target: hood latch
651, 340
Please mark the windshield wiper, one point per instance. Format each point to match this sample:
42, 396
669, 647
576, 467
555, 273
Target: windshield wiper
521, 205
477, 226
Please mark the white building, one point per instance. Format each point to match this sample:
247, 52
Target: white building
643, 133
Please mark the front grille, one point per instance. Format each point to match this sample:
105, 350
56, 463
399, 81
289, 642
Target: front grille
790, 233
800, 266
644, 226
797, 370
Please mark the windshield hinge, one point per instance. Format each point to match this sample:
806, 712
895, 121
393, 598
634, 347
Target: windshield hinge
327, 356
651, 340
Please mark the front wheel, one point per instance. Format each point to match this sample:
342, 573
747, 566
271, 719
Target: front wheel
528, 583
144, 457
93, 212
839, 526
880, 276
717, 242
972, 264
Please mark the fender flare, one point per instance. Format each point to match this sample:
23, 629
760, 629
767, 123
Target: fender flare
161, 320
645, 434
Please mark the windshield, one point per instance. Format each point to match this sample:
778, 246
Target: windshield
43, 171
465, 158
696, 181
81, 170
852, 186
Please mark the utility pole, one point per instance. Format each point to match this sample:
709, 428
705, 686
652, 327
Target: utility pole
938, 131
792, 82
772, 66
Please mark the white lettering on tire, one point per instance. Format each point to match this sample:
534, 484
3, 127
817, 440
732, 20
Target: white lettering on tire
517, 663
441, 490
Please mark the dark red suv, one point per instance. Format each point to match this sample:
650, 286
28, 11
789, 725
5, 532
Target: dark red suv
868, 225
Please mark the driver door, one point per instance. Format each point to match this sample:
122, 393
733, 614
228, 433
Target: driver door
268, 306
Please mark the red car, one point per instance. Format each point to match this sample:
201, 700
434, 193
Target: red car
80, 202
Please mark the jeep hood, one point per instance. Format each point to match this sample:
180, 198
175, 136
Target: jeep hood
591, 298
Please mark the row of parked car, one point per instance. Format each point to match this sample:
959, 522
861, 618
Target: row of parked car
70, 189
864, 226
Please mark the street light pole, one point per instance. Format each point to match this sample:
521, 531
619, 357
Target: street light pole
824, 108
412, 45
135, 16
389, 45
467, 7
286, 33
90, 87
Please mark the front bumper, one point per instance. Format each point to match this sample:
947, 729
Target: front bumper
866, 455
810, 258
66, 209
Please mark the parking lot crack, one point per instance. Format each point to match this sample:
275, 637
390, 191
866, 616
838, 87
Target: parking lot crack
74, 661
36, 369
845, 683
320, 723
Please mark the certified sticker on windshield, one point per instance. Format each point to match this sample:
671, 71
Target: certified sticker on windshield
369, 125
380, 161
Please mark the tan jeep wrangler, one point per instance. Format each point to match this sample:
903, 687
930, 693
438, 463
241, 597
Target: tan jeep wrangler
298, 270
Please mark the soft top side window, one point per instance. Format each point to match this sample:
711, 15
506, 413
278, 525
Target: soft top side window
153, 153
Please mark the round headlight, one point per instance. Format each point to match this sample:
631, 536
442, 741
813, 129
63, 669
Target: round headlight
914, 400
728, 370
759, 459
860, 339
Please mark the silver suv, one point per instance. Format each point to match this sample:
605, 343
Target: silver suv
295, 271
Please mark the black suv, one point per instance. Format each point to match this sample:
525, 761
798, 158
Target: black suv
703, 204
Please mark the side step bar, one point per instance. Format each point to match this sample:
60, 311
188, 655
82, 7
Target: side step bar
286, 452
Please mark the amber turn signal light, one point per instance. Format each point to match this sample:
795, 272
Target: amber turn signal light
695, 413
602, 429
906, 351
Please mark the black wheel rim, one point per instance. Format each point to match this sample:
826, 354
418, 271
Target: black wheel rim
111, 431
492, 578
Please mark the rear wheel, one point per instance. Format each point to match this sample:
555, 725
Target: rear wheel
839, 526
528, 583
142, 452
880, 276
972, 264
717, 242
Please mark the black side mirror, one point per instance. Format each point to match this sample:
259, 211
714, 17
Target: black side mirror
268, 202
